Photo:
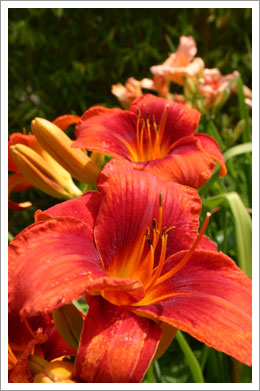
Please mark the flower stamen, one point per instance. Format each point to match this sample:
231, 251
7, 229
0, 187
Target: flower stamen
166, 276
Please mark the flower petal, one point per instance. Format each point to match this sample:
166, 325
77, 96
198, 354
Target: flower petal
64, 121
187, 164
130, 201
181, 121
207, 244
116, 346
209, 298
65, 266
21, 372
18, 181
112, 133
210, 145
84, 208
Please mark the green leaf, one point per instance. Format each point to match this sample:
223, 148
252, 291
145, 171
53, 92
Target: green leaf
230, 153
238, 150
243, 109
10, 237
213, 131
243, 226
190, 357
68, 321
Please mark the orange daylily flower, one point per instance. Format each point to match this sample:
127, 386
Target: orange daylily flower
133, 248
157, 135
215, 87
128, 93
178, 66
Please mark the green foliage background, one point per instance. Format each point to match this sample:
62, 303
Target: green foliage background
66, 60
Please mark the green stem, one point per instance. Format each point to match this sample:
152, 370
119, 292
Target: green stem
190, 357
150, 374
204, 357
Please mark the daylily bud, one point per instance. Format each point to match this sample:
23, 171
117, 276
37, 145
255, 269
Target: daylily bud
36, 364
68, 321
221, 99
190, 87
58, 145
59, 370
97, 158
55, 372
51, 178
240, 126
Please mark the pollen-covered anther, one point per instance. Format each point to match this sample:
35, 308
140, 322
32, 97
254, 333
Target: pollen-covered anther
149, 137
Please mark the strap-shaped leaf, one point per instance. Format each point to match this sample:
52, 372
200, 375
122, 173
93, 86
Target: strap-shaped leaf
243, 226
68, 321
230, 153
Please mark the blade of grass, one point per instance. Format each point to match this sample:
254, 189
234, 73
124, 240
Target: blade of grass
157, 372
190, 357
150, 374
243, 226
243, 110
230, 153
213, 131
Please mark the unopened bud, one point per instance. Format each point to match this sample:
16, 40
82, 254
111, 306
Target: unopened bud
240, 126
58, 145
51, 178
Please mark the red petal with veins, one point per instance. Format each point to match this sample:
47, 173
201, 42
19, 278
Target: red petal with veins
54, 262
181, 121
97, 110
84, 208
116, 346
207, 244
187, 164
111, 133
210, 145
64, 121
17, 182
130, 201
209, 298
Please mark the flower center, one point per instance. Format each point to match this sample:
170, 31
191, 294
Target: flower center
149, 136
140, 264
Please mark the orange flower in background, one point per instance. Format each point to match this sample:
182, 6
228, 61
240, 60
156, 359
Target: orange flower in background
134, 249
128, 93
178, 65
216, 87
156, 135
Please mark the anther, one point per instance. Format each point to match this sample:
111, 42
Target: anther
160, 200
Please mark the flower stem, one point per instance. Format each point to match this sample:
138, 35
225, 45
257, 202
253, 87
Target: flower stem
190, 357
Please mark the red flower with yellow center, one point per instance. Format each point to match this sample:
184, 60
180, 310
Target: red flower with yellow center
133, 249
157, 135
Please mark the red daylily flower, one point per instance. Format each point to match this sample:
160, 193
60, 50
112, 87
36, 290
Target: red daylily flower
156, 135
133, 249
37, 336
